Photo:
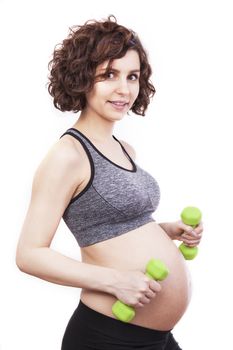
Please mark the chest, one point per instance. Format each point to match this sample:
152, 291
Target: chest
129, 192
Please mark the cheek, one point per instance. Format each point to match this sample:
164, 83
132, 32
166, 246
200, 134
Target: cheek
96, 95
135, 91
102, 91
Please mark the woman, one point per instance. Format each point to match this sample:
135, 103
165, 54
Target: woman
90, 178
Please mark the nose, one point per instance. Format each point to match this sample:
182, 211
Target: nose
122, 87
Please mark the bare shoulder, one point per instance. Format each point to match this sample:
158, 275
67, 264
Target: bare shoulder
61, 167
129, 149
63, 156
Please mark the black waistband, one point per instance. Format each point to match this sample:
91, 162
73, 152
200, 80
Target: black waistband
117, 328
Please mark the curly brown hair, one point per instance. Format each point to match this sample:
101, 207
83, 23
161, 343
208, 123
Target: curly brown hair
74, 63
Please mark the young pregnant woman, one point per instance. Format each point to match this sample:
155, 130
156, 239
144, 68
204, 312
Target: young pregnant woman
91, 180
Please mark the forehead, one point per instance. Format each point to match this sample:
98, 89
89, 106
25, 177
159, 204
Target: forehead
128, 62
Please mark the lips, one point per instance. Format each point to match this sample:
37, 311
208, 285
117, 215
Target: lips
119, 103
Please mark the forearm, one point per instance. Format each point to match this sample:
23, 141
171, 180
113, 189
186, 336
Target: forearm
166, 227
54, 267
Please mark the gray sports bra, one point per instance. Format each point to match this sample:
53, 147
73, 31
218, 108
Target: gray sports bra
115, 200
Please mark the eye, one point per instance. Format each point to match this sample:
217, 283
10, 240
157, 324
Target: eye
110, 75
133, 77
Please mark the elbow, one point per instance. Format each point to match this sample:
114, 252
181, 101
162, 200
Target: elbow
21, 261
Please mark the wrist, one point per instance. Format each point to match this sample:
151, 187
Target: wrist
112, 282
166, 226
108, 280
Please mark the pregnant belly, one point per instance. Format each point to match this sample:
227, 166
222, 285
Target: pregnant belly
132, 251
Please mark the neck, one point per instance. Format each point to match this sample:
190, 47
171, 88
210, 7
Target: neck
98, 130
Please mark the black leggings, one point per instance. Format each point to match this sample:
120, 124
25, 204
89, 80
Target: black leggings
91, 330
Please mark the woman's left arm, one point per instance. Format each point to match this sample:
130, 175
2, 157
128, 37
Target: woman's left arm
177, 230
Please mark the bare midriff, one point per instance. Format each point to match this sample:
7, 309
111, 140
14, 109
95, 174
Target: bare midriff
131, 251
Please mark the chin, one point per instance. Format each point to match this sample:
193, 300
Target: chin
115, 117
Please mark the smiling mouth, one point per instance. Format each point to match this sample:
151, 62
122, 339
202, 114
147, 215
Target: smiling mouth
119, 103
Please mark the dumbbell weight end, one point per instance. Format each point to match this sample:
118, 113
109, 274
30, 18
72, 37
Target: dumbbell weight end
190, 216
155, 269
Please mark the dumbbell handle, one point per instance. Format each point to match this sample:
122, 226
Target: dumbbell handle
155, 269
190, 216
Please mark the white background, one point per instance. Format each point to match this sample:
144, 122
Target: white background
185, 141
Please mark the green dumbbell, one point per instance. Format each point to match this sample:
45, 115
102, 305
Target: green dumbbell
155, 269
190, 216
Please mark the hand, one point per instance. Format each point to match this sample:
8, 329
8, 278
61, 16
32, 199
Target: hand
185, 233
134, 288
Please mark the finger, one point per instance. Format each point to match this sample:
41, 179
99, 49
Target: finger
190, 235
191, 245
139, 305
199, 228
193, 234
150, 294
185, 228
198, 232
191, 238
144, 300
188, 231
192, 242
155, 286
195, 242
188, 238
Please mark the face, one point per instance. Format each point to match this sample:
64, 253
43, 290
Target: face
113, 97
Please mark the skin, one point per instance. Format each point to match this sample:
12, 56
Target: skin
107, 270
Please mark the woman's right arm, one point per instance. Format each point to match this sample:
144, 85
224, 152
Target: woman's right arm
54, 183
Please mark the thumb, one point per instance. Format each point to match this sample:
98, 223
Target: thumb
189, 230
186, 228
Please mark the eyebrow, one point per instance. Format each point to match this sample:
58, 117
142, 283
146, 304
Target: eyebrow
116, 70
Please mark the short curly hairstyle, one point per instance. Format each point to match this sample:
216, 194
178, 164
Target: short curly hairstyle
73, 66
